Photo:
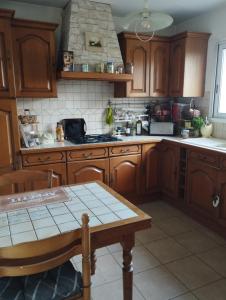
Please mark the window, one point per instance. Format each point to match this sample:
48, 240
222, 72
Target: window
220, 84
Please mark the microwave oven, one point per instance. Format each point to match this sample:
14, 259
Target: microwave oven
161, 128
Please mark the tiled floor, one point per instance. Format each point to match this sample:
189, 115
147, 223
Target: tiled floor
176, 259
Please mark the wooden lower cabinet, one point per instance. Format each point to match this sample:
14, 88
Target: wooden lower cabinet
222, 196
150, 169
169, 166
202, 188
59, 171
125, 174
89, 170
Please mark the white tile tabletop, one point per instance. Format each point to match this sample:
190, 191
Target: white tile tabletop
24, 225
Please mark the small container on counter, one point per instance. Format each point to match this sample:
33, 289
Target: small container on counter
85, 68
185, 133
129, 68
59, 133
110, 67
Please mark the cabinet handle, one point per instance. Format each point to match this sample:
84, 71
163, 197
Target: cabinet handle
86, 155
216, 201
111, 179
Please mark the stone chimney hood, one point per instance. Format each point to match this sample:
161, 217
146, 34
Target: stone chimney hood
83, 19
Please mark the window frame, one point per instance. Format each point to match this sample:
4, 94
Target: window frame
216, 101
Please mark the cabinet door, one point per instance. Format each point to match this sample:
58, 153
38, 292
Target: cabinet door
6, 65
138, 55
201, 187
9, 136
222, 194
90, 170
159, 69
125, 174
150, 169
169, 161
59, 171
34, 56
177, 61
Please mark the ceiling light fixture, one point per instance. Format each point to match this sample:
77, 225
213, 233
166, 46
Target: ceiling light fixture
145, 23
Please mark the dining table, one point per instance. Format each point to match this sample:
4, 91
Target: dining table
33, 216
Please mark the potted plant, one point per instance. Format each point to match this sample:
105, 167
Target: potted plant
197, 123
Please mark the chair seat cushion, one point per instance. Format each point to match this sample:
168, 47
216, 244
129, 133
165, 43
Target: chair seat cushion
55, 284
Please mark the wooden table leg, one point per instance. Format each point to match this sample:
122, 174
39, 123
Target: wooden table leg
93, 262
127, 245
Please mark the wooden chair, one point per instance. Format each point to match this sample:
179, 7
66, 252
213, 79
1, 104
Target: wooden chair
25, 180
40, 256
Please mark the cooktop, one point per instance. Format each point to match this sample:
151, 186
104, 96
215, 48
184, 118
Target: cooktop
93, 138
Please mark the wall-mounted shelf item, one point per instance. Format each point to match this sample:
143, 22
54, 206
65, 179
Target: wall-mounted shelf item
94, 76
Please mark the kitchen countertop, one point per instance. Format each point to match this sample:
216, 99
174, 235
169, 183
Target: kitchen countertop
207, 143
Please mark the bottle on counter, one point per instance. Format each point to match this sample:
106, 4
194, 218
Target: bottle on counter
139, 127
59, 133
128, 129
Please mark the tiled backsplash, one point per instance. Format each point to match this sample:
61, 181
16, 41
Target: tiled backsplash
77, 99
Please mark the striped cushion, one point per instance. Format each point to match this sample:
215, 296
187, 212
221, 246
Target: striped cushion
56, 284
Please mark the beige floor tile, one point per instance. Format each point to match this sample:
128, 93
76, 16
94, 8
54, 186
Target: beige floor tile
214, 236
159, 210
115, 248
113, 291
196, 241
158, 284
142, 259
107, 270
188, 296
192, 272
167, 250
152, 234
216, 258
214, 291
174, 226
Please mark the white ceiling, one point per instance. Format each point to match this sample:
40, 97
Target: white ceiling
179, 9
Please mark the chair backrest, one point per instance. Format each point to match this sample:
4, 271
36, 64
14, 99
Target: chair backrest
39, 256
24, 180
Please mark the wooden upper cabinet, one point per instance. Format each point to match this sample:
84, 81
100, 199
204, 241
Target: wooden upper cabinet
188, 64
159, 72
177, 58
34, 58
9, 136
138, 53
6, 56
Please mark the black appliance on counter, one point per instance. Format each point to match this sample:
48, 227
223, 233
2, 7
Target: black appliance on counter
75, 132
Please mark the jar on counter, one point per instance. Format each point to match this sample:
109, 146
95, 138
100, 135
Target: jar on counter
85, 68
59, 133
129, 68
110, 67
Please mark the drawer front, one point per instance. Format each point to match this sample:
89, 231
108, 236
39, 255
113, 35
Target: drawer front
43, 158
124, 150
211, 160
87, 154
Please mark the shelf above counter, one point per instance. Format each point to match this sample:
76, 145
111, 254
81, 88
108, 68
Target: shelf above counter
94, 76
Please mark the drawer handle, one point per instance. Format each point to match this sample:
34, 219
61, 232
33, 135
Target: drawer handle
44, 159
123, 150
86, 155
